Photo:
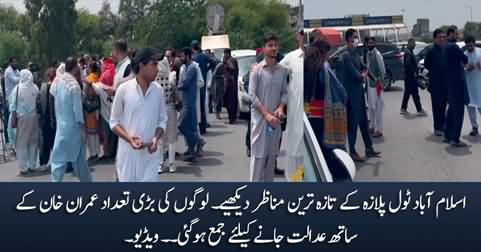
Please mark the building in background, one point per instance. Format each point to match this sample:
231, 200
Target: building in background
421, 28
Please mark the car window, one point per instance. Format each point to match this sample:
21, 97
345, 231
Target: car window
245, 64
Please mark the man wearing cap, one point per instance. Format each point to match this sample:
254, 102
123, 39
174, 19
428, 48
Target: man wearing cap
205, 63
139, 118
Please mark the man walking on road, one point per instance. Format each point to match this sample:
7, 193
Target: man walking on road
70, 137
139, 118
438, 87
457, 90
473, 81
411, 80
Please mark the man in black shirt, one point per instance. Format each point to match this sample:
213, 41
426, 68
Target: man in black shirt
438, 87
411, 80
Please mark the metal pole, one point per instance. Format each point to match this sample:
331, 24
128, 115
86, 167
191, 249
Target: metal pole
470, 7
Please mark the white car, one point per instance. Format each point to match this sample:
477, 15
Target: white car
245, 58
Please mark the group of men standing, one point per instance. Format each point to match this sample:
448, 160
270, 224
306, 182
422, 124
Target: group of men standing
453, 83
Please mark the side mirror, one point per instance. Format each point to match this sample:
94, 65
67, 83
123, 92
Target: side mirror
346, 161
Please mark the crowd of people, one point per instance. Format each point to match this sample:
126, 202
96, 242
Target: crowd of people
130, 108
336, 100
454, 78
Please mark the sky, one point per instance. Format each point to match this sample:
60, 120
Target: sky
91, 5
440, 12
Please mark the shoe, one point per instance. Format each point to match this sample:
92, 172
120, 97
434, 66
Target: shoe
445, 140
44, 168
163, 168
356, 158
23, 173
474, 133
203, 131
200, 146
191, 158
172, 168
93, 158
208, 125
404, 112
422, 113
218, 116
458, 144
438, 133
377, 135
373, 154
279, 172
248, 153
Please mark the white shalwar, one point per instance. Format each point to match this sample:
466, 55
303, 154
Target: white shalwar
140, 116
294, 61
167, 80
473, 82
375, 97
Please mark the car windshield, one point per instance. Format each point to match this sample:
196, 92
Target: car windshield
245, 64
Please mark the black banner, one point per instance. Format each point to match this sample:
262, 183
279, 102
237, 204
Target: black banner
240, 217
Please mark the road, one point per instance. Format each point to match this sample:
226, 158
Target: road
224, 160
410, 152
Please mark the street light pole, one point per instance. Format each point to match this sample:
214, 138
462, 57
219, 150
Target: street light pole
470, 8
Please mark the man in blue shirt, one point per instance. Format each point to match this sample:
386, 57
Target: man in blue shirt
205, 63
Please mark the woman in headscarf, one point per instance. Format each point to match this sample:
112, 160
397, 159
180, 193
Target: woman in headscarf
24, 100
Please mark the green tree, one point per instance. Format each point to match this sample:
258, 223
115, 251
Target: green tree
8, 18
131, 14
12, 44
108, 21
173, 23
57, 20
88, 35
473, 29
248, 21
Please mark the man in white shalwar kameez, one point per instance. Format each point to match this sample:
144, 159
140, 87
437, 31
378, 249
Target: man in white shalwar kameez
294, 61
139, 118
473, 81
375, 89
167, 80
